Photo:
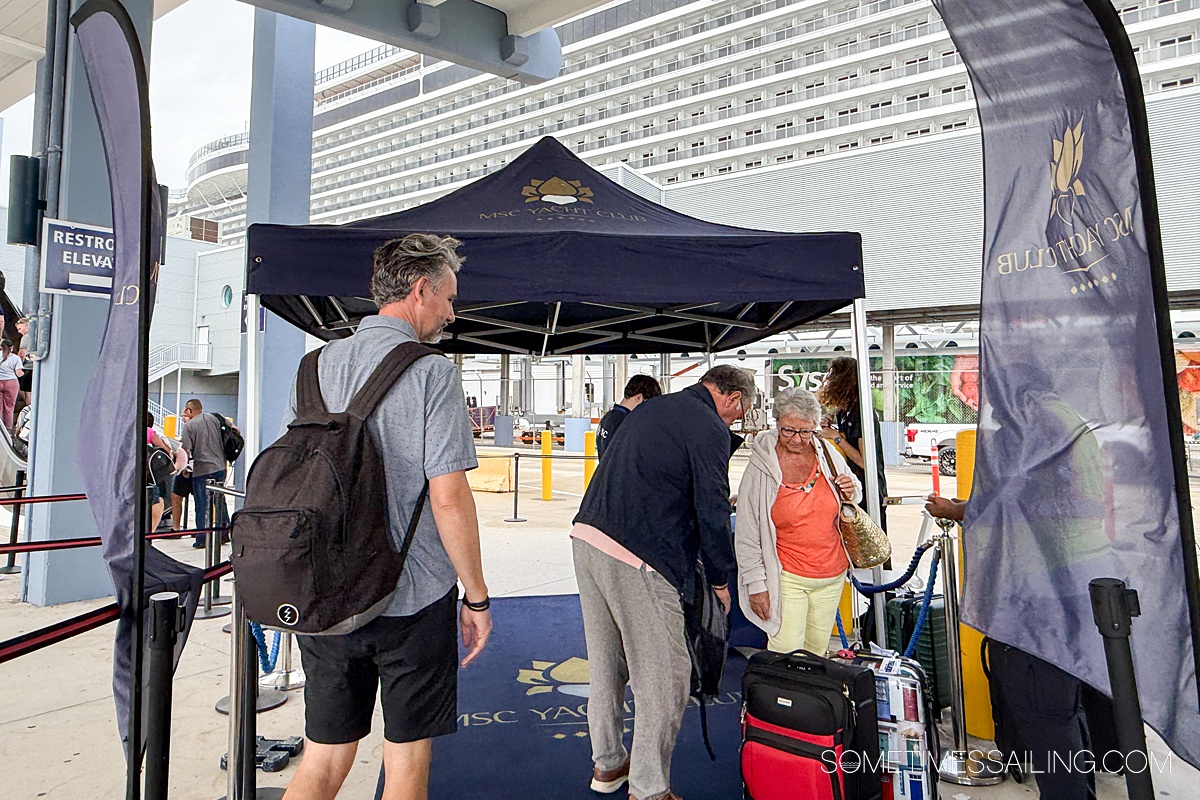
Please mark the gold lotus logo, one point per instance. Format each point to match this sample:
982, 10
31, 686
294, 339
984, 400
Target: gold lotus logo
557, 192
1068, 158
568, 677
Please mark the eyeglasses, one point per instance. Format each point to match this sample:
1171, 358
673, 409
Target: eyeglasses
790, 432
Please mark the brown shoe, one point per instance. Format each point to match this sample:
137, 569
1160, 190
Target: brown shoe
609, 781
667, 796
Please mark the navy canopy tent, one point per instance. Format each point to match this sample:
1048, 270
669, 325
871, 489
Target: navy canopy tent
560, 259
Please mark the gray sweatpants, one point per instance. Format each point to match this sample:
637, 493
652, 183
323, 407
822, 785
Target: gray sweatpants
633, 623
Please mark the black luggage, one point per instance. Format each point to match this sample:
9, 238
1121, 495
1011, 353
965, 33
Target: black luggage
809, 729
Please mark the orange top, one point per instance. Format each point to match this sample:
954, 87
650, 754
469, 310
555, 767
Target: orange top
806, 532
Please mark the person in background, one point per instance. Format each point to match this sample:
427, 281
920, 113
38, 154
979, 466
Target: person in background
202, 446
10, 371
845, 429
162, 490
25, 382
791, 561
659, 501
639, 389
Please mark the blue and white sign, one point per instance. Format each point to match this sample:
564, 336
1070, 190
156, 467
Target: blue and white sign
76, 259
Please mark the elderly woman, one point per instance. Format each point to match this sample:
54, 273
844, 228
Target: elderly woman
791, 561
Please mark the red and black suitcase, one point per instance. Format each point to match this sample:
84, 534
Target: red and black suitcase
809, 729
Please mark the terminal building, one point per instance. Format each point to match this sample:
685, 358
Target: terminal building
781, 114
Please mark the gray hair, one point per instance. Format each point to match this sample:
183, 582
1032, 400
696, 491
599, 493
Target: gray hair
727, 378
400, 263
796, 402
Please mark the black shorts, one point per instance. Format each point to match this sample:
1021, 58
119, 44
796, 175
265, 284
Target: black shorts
414, 659
183, 486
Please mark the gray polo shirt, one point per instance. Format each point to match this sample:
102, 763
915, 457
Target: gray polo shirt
422, 430
202, 440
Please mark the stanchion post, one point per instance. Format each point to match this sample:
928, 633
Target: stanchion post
165, 624
516, 517
960, 765
211, 548
286, 677
547, 466
1113, 608
11, 567
589, 452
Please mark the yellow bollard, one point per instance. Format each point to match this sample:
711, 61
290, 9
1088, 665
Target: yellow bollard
169, 427
589, 451
977, 702
547, 440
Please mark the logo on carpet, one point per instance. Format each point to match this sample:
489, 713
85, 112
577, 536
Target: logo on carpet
568, 677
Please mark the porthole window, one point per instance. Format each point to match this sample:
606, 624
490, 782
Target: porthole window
227, 296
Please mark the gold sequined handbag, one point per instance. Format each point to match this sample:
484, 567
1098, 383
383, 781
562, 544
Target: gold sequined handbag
866, 543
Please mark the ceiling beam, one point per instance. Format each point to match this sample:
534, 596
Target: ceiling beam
464, 32
21, 48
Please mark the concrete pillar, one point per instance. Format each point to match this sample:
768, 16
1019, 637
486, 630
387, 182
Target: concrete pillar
578, 378
528, 390
664, 366
61, 379
890, 393
620, 376
505, 403
279, 182
606, 381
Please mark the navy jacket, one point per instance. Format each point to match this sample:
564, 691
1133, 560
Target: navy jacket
662, 488
608, 428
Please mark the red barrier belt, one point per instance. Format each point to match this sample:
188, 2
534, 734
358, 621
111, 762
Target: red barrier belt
20, 501
92, 541
59, 631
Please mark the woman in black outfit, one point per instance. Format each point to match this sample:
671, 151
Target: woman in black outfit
845, 429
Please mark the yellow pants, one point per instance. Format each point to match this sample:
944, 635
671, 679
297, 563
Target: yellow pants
807, 610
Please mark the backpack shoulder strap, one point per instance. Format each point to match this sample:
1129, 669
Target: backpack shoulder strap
309, 402
393, 365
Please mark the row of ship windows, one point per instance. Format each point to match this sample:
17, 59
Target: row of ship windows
909, 64
914, 99
755, 38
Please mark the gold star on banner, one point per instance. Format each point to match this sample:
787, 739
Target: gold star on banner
560, 736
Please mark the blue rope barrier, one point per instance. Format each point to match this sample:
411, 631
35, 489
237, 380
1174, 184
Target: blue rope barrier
842, 630
869, 589
267, 662
925, 602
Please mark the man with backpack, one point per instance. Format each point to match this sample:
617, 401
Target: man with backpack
657, 504
422, 434
204, 446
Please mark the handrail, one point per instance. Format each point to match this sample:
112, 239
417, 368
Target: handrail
180, 353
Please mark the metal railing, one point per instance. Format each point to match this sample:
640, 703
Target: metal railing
224, 143
180, 353
380, 53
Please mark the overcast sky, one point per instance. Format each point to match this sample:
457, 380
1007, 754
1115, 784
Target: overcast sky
199, 83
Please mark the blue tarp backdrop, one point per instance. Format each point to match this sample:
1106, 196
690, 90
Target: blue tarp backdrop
560, 259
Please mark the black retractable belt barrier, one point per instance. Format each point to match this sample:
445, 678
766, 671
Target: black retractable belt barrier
166, 622
1113, 608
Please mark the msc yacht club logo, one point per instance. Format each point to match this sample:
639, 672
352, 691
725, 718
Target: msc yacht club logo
557, 192
1068, 158
568, 677
1077, 243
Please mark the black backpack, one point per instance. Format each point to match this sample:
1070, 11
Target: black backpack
706, 629
231, 440
311, 548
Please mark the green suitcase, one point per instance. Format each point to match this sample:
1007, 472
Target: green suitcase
932, 652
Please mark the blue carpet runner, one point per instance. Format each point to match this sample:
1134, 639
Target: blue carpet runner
522, 726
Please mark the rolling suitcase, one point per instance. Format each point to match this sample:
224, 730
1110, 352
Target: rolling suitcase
809, 729
907, 724
932, 651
